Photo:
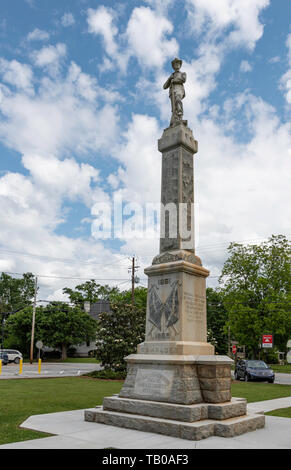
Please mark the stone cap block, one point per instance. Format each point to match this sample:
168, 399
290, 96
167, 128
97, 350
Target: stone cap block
214, 360
177, 266
176, 136
199, 360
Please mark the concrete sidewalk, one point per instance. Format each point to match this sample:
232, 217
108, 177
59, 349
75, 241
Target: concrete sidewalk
72, 432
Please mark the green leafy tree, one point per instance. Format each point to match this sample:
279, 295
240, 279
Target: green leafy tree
15, 294
62, 326
118, 333
18, 330
91, 292
256, 285
140, 297
216, 320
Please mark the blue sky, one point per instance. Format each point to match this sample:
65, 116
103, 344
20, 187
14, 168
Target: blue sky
82, 107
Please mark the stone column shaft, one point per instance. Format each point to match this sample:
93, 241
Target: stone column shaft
177, 189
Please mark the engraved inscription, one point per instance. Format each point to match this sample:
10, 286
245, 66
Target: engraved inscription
153, 383
194, 306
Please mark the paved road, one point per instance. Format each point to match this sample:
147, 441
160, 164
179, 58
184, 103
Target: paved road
11, 371
50, 369
283, 379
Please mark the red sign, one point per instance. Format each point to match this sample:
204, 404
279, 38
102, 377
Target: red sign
234, 349
267, 341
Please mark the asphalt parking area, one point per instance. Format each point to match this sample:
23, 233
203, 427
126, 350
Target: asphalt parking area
48, 369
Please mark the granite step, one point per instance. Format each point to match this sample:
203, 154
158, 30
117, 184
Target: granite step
193, 431
188, 413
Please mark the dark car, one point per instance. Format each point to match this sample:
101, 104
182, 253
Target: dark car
253, 370
4, 358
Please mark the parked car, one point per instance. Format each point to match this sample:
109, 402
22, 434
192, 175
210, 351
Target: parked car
4, 358
13, 355
253, 370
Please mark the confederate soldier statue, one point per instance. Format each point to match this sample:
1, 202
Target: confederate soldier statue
176, 91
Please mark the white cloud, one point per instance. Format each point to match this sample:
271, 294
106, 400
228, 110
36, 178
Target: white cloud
285, 82
275, 59
140, 168
55, 177
236, 20
288, 44
17, 74
241, 188
101, 21
66, 114
68, 20
38, 35
220, 26
245, 66
286, 85
147, 37
50, 57
161, 6
31, 211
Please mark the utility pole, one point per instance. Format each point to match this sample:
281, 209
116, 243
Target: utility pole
133, 278
33, 321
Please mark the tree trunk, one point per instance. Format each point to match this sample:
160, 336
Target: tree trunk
64, 352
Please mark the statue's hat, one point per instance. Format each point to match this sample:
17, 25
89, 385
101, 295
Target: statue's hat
176, 60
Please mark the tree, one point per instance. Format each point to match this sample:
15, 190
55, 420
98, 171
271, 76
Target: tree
15, 294
18, 330
256, 286
118, 333
61, 326
91, 292
140, 297
216, 320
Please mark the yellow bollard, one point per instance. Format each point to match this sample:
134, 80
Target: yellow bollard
39, 366
20, 366
0, 366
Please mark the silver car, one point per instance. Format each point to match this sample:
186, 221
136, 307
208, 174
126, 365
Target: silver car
13, 355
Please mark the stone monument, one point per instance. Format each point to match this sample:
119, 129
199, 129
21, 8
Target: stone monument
175, 384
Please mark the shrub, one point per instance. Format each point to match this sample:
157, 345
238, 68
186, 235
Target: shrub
107, 374
118, 334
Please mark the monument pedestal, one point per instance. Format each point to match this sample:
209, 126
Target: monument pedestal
175, 384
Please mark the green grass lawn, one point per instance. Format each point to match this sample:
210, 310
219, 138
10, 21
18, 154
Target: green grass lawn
285, 369
281, 412
21, 398
259, 391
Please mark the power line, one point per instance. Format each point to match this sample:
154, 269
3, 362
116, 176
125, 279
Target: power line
222, 244
62, 260
202, 248
76, 278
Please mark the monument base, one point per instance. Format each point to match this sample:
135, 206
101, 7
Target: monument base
177, 378
188, 397
193, 422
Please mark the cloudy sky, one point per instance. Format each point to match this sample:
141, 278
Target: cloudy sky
82, 107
